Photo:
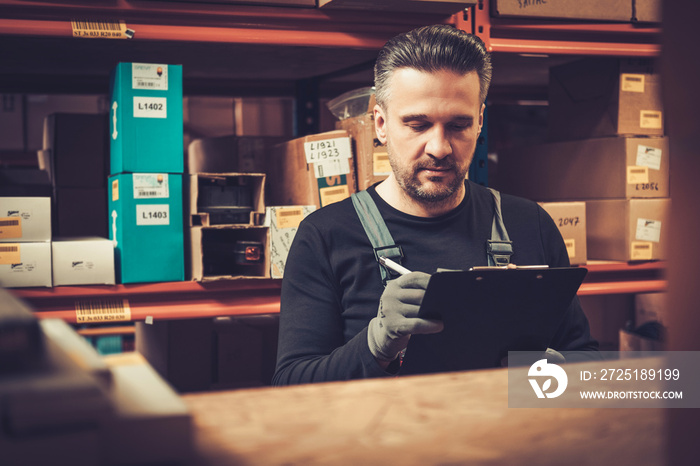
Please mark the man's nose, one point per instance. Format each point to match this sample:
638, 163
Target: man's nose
438, 146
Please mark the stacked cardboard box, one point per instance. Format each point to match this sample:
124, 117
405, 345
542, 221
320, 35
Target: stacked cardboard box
145, 191
610, 151
226, 238
25, 241
75, 148
597, 10
313, 170
82, 261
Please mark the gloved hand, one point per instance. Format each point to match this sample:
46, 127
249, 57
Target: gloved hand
396, 320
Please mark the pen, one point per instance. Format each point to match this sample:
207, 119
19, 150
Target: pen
385, 261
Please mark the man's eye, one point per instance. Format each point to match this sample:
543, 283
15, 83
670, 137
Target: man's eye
459, 127
418, 127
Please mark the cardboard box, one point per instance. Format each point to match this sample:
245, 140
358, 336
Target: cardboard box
12, 122
648, 11
283, 223
78, 149
628, 230
146, 226
597, 97
82, 261
570, 218
600, 10
446, 7
186, 366
215, 252
371, 157
39, 106
265, 116
226, 198
80, 212
602, 168
25, 264
312, 170
24, 182
227, 154
246, 350
24, 219
650, 307
146, 134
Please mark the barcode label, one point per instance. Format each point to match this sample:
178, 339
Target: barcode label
100, 29
98, 26
334, 194
151, 76
151, 185
11, 227
640, 251
570, 247
382, 166
637, 174
632, 82
650, 119
289, 218
102, 310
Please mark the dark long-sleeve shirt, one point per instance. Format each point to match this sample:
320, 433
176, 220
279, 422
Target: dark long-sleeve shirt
332, 283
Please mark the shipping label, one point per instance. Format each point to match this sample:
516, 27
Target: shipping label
11, 227
636, 174
649, 157
630, 82
151, 186
10, 253
149, 76
650, 119
570, 247
289, 217
641, 251
648, 230
381, 165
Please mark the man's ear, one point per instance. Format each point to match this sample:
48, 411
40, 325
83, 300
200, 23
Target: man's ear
481, 117
380, 123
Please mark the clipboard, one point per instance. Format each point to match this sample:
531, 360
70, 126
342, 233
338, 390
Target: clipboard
487, 312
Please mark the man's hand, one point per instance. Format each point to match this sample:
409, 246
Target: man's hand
396, 320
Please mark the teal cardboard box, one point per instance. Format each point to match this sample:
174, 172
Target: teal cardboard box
146, 227
145, 123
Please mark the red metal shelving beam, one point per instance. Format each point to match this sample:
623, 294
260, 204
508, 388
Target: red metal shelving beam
622, 287
224, 23
188, 300
237, 35
191, 309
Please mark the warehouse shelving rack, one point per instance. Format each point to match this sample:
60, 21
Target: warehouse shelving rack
262, 51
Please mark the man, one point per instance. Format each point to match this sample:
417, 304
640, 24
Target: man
338, 321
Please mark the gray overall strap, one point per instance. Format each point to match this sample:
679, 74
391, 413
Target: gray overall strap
499, 248
377, 232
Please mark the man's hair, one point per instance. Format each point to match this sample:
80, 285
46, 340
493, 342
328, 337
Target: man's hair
430, 49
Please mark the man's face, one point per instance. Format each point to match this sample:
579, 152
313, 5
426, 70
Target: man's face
430, 126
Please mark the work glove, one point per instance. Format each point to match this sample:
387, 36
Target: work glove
396, 320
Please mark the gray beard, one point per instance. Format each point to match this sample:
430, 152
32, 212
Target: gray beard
416, 191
